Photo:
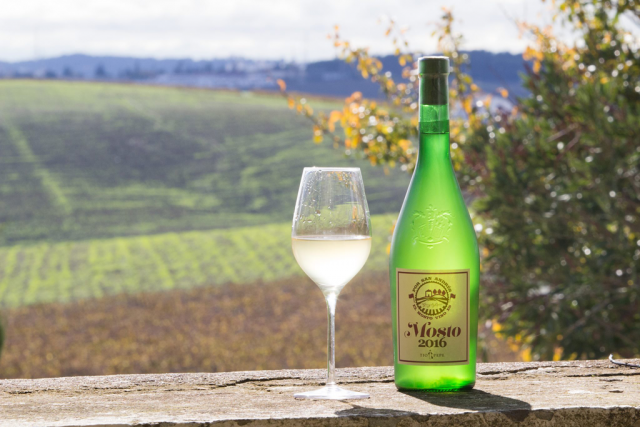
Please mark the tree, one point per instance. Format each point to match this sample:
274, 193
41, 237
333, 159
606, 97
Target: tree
555, 181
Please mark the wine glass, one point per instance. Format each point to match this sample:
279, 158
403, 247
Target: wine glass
331, 240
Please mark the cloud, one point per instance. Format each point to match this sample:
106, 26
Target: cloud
257, 29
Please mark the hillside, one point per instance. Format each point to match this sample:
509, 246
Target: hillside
94, 160
331, 77
68, 271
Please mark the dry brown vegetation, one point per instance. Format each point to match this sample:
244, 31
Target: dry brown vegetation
237, 327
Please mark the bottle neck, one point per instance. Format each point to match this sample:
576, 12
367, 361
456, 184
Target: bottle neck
434, 119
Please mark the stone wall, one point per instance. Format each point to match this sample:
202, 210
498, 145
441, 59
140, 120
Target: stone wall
581, 393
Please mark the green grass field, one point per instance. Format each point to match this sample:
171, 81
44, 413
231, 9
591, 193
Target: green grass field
108, 189
67, 271
81, 161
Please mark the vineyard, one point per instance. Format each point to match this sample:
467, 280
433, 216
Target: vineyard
81, 161
67, 271
272, 325
125, 209
118, 200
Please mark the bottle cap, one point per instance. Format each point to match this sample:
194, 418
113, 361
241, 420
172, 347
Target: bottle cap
433, 65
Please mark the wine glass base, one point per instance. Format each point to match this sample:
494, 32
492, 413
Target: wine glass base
331, 392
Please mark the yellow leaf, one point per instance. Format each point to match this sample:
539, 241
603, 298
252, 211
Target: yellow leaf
557, 353
317, 134
333, 118
365, 74
282, 84
466, 105
536, 67
503, 92
405, 144
291, 103
402, 61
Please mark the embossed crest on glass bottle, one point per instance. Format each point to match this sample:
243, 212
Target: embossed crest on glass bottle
431, 226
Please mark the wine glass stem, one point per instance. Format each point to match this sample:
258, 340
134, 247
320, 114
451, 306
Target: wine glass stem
331, 337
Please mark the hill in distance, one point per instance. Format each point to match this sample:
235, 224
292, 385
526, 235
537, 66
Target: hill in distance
97, 160
332, 77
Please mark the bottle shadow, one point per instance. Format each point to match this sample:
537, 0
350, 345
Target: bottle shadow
472, 400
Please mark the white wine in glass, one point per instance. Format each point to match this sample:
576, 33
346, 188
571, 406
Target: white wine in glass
331, 240
331, 261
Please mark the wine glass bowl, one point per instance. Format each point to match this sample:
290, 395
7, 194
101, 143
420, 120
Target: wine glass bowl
331, 241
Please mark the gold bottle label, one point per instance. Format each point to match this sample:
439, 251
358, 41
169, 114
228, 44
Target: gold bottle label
432, 317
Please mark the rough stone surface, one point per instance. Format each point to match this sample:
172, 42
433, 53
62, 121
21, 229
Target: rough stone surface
581, 393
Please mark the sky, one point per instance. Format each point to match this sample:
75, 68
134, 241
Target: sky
260, 29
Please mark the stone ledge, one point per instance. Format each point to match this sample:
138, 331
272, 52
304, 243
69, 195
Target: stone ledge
579, 393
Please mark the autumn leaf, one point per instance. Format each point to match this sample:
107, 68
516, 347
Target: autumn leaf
466, 105
333, 118
405, 144
503, 92
282, 84
291, 103
390, 84
317, 134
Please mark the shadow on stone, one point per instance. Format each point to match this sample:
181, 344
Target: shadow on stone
476, 400
362, 411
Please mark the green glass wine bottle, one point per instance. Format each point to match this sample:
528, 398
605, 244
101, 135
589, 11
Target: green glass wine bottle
434, 262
